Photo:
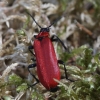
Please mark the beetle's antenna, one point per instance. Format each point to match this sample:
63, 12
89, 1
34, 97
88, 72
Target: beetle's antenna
63, 15
33, 18
54, 22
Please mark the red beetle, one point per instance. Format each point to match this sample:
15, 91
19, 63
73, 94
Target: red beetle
46, 60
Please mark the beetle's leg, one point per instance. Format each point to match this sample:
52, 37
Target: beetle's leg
32, 66
30, 49
55, 38
61, 62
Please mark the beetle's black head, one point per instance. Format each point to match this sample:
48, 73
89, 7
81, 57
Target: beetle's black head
45, 29
54, 89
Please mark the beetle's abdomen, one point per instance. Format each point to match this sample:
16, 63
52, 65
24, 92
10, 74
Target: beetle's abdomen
47, 65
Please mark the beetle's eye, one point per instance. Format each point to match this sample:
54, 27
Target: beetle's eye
47, 29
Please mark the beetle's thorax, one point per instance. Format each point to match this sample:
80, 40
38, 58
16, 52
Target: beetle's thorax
44, 32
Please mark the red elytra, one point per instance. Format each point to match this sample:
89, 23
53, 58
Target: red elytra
46, 60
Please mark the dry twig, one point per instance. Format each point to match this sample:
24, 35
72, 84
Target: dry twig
83, 28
